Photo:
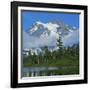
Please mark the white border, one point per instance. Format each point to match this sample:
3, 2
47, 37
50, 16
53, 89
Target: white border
52, 78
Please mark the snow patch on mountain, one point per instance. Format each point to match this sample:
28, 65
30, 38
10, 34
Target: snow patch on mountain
50, 26
34, 42
46, 34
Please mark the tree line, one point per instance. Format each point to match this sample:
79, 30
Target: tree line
47, 57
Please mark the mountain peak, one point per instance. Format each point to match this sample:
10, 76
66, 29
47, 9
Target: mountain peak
42, 34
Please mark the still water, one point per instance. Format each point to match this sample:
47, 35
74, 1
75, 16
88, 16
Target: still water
39, 71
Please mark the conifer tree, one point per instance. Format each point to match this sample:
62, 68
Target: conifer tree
60, 45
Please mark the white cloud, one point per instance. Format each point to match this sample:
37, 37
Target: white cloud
31, 42
71, 38
49, 26
48, 39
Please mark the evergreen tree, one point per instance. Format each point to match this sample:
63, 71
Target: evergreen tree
46, 54
34, 58
30, 53
60, 46
59, 43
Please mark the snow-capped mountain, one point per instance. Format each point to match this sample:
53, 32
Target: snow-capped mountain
46, 34
40, 29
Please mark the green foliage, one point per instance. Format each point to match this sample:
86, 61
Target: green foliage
59, 44
67, 57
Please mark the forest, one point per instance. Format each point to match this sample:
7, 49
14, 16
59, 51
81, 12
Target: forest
65, 57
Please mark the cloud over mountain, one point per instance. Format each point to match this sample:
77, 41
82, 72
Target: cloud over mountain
42, 34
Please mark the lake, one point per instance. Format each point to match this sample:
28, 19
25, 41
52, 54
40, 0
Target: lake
39, 71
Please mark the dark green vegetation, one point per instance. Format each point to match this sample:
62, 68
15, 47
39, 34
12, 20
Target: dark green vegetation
66, 58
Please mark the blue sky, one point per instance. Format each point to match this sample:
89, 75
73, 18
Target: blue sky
29, 18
